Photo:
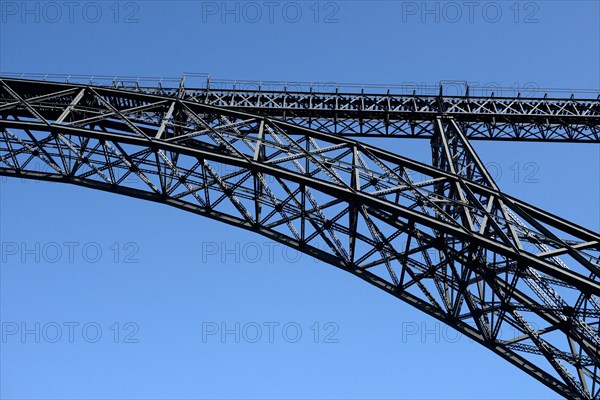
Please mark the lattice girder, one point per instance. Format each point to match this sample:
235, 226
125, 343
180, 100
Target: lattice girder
443, 238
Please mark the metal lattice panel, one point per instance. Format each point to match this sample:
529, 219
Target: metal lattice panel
441, 237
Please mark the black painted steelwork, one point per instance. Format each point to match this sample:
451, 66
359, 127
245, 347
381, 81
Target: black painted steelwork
442, 237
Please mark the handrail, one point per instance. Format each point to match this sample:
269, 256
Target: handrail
203, 81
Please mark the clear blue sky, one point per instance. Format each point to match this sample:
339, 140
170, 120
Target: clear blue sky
185, 281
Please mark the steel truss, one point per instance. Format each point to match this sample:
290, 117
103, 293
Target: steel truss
442, 237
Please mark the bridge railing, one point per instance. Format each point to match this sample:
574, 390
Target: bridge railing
203, 82
127, 82
451, 88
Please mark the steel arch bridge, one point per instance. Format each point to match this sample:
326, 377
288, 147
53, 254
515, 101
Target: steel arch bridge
284, 164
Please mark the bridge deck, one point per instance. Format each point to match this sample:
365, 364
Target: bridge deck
376, 111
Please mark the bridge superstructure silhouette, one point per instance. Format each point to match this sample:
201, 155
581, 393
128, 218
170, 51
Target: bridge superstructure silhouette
286, 162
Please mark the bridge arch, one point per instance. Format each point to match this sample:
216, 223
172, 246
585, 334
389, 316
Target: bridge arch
451, 245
